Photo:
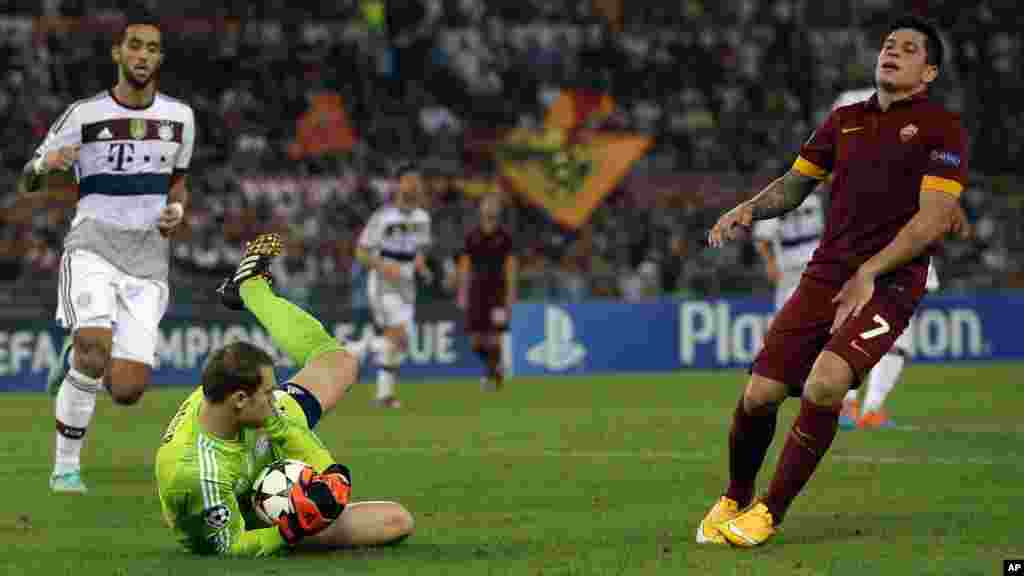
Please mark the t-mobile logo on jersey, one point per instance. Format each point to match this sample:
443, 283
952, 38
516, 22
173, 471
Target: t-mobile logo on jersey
559, 350
120, 153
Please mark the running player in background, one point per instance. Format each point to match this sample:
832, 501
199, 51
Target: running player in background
129, 149
239, 421
392, 246
899, 164
488, 273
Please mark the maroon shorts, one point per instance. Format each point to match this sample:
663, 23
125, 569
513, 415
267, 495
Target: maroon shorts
480, 318
800, 331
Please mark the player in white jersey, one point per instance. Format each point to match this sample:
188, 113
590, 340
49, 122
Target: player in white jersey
392, 246
129, 150
787, 244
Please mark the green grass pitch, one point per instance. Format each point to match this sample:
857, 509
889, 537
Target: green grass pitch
582, 475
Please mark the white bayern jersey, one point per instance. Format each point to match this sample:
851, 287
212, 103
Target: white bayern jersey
124, 169
398, 236
795, 235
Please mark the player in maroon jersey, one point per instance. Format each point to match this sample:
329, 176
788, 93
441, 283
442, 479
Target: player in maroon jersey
487, 277
899, 164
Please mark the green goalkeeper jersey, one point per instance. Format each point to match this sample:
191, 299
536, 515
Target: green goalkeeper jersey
204, 481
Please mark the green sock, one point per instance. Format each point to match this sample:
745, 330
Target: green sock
301, 336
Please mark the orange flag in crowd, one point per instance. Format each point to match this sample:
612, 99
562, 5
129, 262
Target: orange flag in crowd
575, 108
323, 129
563, 169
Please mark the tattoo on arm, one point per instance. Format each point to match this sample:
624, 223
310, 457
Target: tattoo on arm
782, 195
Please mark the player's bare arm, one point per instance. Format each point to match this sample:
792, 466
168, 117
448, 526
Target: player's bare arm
462, 275
173, 215
962, 225
764, 248
937, 216
420, 264
511, 271
35, 173
390, 270
511, 279
782, 195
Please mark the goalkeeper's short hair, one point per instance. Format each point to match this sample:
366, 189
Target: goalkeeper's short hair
234, 367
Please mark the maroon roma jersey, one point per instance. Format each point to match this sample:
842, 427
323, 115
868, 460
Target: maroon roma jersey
879, 162
487, 255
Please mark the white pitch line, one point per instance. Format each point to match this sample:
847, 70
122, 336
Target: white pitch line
694, 456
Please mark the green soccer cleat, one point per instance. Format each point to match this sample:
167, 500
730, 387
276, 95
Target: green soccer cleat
60, 368
68, 483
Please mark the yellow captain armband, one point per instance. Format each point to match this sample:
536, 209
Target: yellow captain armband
942, 185
809, 169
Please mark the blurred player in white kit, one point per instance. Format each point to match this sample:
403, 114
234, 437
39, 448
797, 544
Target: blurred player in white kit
392, 247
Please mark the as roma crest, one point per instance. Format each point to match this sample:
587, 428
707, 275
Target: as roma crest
908, 132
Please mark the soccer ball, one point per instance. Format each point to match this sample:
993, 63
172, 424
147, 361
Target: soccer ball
271, 488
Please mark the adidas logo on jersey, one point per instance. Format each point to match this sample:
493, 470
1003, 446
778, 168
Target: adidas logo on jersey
104, 134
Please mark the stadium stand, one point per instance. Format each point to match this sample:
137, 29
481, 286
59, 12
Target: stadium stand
722, 87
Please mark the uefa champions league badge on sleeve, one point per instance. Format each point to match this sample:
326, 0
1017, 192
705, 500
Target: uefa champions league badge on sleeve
218, 516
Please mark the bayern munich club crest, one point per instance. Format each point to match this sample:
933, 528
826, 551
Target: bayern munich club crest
137, 128
166, 131
908, 132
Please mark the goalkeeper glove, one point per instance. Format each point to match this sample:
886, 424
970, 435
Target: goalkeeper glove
331, 490
304, 520
317, 500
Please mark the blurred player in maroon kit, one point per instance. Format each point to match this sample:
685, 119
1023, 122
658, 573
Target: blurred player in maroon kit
899, 164
487, 278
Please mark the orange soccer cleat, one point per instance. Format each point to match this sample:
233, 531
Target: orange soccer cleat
875, 419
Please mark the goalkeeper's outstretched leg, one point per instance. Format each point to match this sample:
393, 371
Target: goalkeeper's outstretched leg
328, 369
364, 524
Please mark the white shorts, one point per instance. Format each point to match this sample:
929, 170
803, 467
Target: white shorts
389, 309
905, 340
93, 293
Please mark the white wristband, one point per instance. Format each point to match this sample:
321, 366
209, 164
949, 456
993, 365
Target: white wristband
408, 271
179, 210
39, 165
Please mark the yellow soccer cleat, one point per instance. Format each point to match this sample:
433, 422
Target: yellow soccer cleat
255, 262
725, 509
750, 528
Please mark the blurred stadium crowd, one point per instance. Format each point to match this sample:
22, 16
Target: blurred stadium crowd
727, 89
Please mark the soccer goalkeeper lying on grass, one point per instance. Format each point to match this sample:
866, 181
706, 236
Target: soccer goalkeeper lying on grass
239, 421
